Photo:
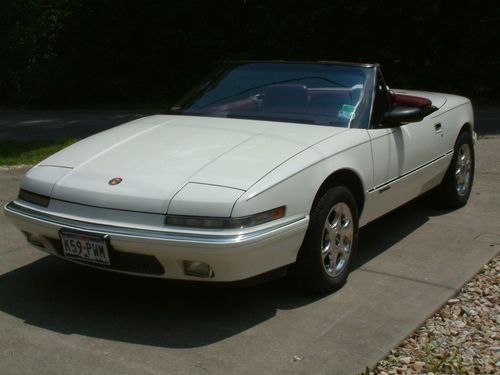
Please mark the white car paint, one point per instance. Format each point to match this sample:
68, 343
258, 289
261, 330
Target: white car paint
219, 167
156, 156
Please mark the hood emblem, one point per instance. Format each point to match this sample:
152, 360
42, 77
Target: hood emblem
115, 181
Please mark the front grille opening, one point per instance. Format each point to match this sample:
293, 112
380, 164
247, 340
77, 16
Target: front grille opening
122, 261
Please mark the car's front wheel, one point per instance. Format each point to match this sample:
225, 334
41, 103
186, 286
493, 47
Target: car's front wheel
326, 255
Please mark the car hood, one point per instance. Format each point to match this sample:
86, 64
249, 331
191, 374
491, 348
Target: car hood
155, 157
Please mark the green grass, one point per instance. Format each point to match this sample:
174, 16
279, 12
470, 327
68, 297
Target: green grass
29, 152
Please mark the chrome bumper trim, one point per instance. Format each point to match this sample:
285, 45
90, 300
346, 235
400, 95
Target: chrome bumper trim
39, 217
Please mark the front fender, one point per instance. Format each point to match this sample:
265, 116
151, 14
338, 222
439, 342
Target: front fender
295, 183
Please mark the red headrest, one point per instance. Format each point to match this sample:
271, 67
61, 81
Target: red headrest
409, 100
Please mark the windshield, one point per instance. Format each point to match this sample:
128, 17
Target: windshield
322, 94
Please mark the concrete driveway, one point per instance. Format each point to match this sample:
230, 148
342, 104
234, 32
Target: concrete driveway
60, 318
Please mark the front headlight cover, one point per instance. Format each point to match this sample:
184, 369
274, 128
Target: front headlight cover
226, 222
38, 199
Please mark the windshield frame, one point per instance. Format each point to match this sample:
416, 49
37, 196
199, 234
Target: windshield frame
360, 118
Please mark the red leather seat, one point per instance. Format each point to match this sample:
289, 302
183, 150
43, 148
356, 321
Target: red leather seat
403, 100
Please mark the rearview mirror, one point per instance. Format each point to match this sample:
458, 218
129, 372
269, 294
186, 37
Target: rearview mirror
403, 115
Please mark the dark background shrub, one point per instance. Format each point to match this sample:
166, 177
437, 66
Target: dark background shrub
118, 52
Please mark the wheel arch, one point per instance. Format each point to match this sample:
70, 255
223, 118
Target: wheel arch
348, 178
466, 128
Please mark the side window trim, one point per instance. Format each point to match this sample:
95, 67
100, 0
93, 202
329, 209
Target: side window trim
379, 82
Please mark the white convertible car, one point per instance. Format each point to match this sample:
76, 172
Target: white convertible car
264, 166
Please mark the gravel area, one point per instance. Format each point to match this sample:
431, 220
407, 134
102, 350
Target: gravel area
461, 338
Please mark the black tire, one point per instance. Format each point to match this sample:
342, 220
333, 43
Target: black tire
313, 271
450, 192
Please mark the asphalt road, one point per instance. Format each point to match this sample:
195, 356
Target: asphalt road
60, 318
31, 125
34, 125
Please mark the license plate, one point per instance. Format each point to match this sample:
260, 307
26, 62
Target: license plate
90, 248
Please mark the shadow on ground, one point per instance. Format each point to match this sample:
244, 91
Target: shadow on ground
70, 299
385, 232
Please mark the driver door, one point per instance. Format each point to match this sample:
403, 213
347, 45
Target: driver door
402, 156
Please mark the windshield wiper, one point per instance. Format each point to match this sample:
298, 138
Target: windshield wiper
271, 118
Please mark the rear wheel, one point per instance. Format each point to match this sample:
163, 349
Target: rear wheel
456, 187
326, 255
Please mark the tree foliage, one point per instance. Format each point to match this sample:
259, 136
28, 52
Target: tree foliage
97, 52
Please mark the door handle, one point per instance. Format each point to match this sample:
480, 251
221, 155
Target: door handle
438, 128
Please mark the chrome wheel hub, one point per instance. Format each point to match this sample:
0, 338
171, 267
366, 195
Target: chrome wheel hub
337, 239
463, 169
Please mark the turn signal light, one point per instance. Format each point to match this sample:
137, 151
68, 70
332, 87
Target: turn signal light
226, 223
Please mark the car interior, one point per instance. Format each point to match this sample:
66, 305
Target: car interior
290, 100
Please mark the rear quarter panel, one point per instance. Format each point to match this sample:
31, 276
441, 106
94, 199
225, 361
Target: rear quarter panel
454, 112
453, 116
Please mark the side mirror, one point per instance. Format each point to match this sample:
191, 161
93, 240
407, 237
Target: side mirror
403, 115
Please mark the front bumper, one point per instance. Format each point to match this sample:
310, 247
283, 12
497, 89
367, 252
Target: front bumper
161, 253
